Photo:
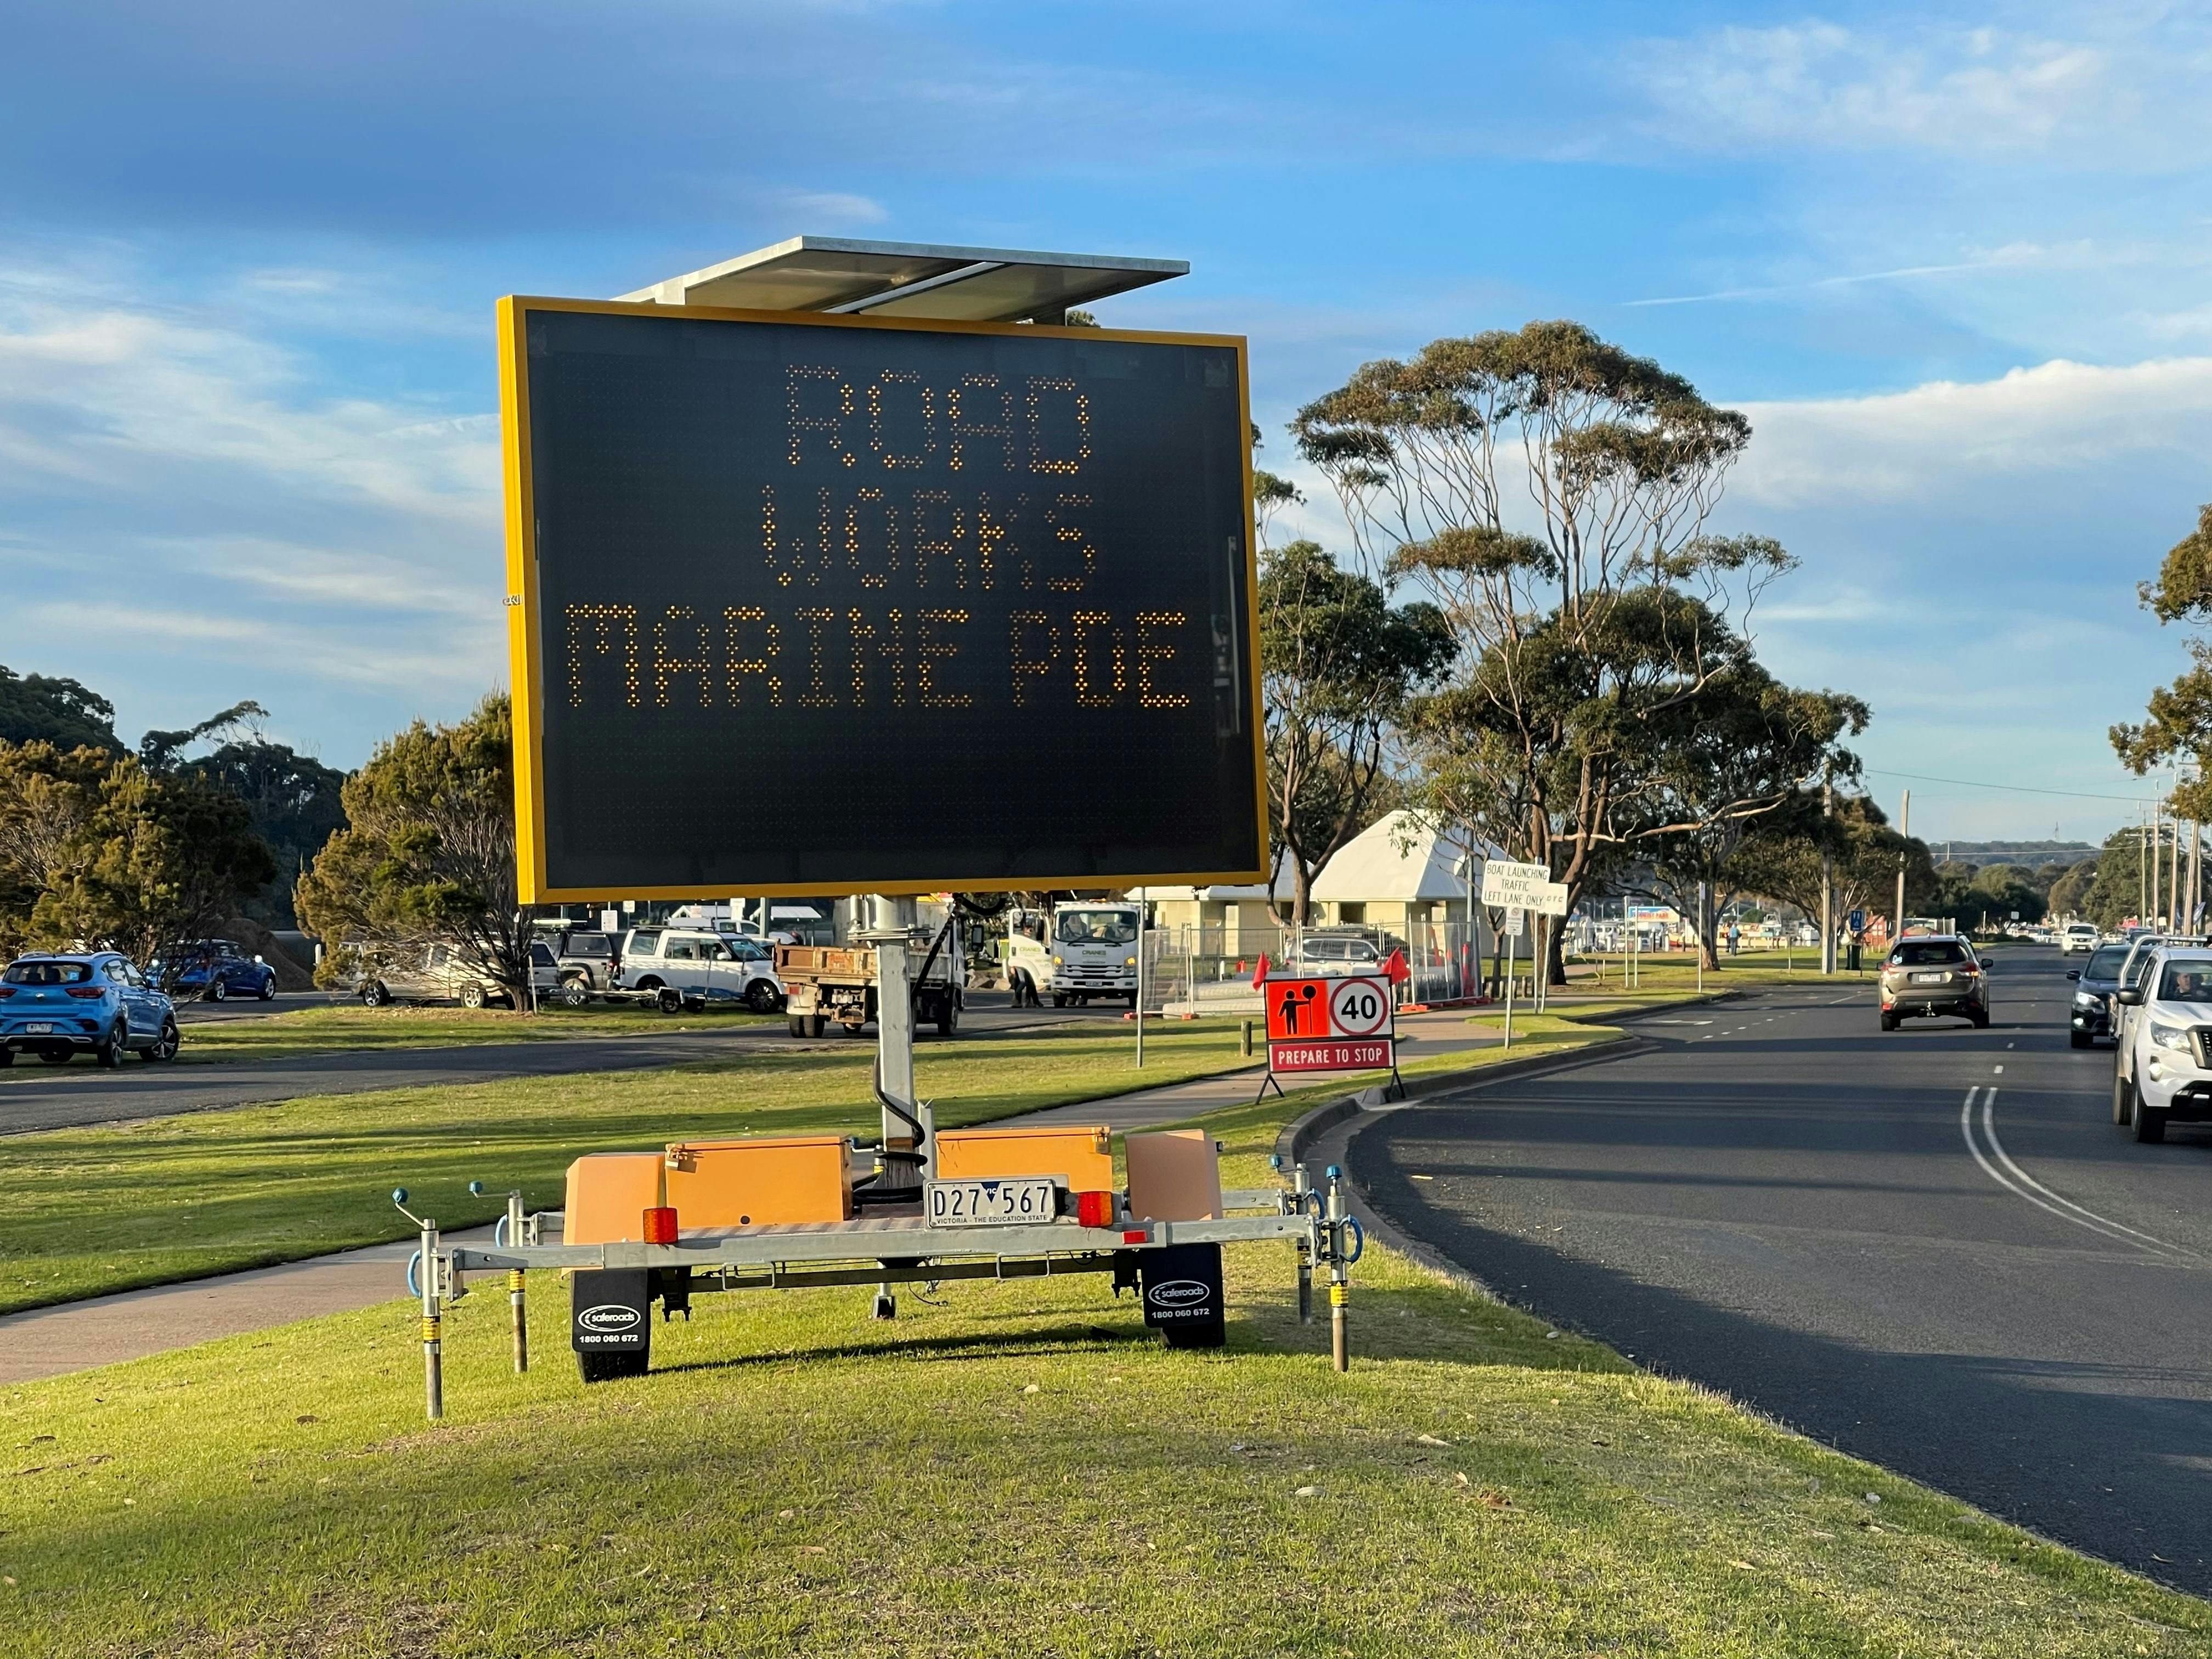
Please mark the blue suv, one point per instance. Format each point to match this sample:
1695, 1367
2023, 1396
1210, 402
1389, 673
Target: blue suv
99, 1004
216, 971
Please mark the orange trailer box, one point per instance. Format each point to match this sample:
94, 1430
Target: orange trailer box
608, 1194
1085, 1157
769, 1182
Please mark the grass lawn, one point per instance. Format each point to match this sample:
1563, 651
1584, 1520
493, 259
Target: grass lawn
1019, 1471
109, 1208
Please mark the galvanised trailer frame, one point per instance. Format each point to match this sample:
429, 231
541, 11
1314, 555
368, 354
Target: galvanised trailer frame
883, 1250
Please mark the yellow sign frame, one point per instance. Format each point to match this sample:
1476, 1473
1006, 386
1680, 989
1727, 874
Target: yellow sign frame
526, 668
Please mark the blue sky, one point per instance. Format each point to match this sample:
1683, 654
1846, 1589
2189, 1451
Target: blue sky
1953, 263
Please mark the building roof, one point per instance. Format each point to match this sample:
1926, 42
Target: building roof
1400, 857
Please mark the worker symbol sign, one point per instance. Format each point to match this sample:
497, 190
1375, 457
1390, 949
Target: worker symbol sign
1329, 1024
1297, 1008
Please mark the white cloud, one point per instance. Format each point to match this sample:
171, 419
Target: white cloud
1818, 84
191, 518
835, 207
1934, 438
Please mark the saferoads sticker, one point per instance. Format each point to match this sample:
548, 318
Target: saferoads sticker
1178, 1293
609, 1317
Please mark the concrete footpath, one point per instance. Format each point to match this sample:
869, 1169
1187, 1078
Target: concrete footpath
103, 1330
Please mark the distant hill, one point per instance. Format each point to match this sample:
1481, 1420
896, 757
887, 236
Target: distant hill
2029, 853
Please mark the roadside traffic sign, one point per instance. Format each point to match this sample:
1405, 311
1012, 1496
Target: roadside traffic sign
1330, 1025
1295, 1008
1516, 922
868, 556
1522, 887
1360, 1007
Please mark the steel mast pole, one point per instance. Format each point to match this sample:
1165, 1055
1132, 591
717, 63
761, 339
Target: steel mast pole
1827, 884
1137, 1003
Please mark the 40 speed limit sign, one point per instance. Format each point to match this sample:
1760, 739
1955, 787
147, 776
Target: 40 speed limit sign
1326, 1023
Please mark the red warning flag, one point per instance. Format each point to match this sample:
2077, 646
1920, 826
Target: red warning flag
1394, 968
1261, 977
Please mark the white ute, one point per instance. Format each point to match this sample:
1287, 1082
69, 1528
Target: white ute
2170, 1080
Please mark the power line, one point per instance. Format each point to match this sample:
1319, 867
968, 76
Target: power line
2013, 788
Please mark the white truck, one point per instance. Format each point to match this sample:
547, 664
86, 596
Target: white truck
1083, 949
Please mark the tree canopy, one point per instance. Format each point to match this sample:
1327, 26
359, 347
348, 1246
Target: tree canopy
428, 853
2178, 723
1781, 859
1582, 638
1337, 663
35, 708
150, 862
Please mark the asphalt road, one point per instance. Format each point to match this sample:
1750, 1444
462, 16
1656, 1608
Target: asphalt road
1930, 1249
35, 1097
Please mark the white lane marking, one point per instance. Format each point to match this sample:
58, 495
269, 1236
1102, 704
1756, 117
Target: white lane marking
2000, 1070
1990, 1134
2028, 1187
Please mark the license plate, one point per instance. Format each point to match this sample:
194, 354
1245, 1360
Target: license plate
1930, 979
1011, 1201
40, 1031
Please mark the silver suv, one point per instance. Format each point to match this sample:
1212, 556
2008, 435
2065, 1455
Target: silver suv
443, 973
2170, 1076
1930, 973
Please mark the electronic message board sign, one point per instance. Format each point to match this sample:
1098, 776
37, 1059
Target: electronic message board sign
807, 604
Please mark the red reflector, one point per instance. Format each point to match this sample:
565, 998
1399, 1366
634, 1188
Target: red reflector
1094, 1209
660, 1226
89, 992
1135, 1236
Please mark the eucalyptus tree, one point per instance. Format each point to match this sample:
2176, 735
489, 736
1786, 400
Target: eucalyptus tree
1746, 752
1338, 662
2177, 728
1550, 493
427, 851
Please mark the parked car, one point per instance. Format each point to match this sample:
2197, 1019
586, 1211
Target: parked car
1333, 955
2093, 985
214, 970
588, 964
694, 968
2169, 1077
57, 1006
1933, 974
441, 973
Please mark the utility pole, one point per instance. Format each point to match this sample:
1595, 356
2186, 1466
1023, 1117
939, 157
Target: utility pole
1903, 830
2195, 869
2157, 859
1827, 883
2174, 877
2142, 863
